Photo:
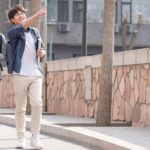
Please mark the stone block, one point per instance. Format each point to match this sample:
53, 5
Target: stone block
129, 57
83, 62
118, 59
142, 56
96, 61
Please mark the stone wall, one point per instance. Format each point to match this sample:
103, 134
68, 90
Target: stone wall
73, 87
6, 92
131, 94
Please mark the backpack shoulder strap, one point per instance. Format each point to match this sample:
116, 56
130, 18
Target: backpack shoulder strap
0, 42
35, 32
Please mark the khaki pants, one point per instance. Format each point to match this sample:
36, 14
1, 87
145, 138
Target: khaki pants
27, 87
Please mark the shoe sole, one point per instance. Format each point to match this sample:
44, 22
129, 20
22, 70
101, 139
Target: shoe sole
36, 147
19, 147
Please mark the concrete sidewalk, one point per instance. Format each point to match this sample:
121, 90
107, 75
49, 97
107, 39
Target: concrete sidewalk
79, 129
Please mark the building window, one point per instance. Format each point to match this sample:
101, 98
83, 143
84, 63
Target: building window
26, 4
141, 7
57, 10
77, 11
95, 7
14, 2
52, 10
63, 11
126, 11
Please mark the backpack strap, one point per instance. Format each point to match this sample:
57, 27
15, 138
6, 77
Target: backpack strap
1, 68
36, 33
0, 42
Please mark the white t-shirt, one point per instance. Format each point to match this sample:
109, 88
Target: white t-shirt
29, 65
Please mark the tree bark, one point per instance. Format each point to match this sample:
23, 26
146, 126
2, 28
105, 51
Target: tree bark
103, 117
123, 34
35, 7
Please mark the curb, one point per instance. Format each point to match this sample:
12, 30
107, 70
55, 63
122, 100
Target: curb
80, 135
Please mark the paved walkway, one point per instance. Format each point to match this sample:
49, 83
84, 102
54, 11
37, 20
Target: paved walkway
82, 130
8, 141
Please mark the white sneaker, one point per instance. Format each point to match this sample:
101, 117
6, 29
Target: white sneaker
21, 142
35, 142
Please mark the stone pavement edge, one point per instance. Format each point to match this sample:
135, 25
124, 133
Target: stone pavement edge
103, 138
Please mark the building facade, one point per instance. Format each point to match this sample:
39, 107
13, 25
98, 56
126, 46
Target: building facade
64, 25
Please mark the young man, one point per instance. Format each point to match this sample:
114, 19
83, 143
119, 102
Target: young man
27, 76
2, 53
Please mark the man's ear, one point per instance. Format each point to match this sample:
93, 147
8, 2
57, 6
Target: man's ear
12, 20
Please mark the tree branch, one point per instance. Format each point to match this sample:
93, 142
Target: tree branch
135, 33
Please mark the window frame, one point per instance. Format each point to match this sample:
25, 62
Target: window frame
67, 17
76, 19
130, 11
57, 13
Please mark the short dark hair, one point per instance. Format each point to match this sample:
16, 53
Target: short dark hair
13, 11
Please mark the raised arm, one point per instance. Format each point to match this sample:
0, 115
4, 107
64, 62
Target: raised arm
31, 20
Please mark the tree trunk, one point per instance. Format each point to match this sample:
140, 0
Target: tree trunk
34, 7
103, 117
123, 33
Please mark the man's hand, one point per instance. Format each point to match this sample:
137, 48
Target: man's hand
41, 53
41, 12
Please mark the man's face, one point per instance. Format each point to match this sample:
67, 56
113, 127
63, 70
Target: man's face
19, 18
